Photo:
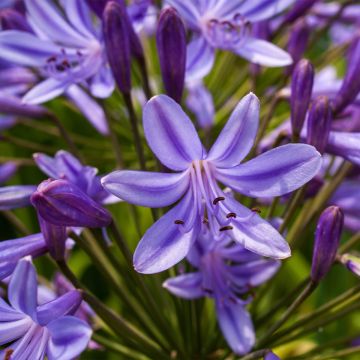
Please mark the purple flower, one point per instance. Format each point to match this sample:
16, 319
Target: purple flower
173, 139
66, 50
225, 270
50, 330
12, 197
352, 262
227, 26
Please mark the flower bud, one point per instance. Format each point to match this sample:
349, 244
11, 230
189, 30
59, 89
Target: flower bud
319, 123
350, 87
11, 19
117, 43
171, 46
13, 197
62, 203
327, 238
97, 6
301, 89
298, 9
55, 237
352, 262
298, 40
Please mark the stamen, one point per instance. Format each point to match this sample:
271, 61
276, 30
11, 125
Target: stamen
179, 222
218, 199
227, 227
256, 209
231, 215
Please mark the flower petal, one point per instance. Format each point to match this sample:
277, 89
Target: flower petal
89, 107
69, 337
102, 83
170, 133
188, 11
166, 243
187, 286
23, 48
262, 52
200, 57
13, 329
12, 197
66, 304
23, 288
45, 91
238, 135
236, 326
345, 144
7, 171
274, 173
50, 22
147, 188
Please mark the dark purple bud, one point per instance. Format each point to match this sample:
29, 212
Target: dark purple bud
171, 46
327, 238
7, 170
97, 6
350, 87
55, 237
298, 40
13, 197
301, 90
319, 123
11, 19
298, 10
117, 42
62, 203
14, 106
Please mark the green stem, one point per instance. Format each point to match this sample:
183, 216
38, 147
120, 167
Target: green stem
256, 354
350, 243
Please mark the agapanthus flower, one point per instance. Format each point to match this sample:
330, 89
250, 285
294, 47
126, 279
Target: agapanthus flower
225, 270
66, 50
228, 26
48, 330
173, 139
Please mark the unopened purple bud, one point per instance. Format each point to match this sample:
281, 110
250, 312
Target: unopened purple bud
11, 19
350, 87
14, 106
352, 262
55, 237
171, 46
13, 197
97, 6
117, 42
327, 238
298, 40
298, 9
319, 123
62, 203
301, 90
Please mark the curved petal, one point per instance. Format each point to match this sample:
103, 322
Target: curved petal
102, 84
187, 286
188, 11
274, 173
66, 304
50, 22
23, 288
238, 135
7, 171
170, 133
236, 326
166, 243
200, 57
147, 188
45, 91
69, 337
23, 48
13, 197
89, 107
345, 144
263, 53
13, 330
7, 313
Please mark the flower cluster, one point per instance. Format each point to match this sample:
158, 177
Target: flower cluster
247, 156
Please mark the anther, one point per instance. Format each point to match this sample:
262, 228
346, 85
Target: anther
231, 215
179, 222
255, 209
227, 227
218, 199
205, 221
8, 354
